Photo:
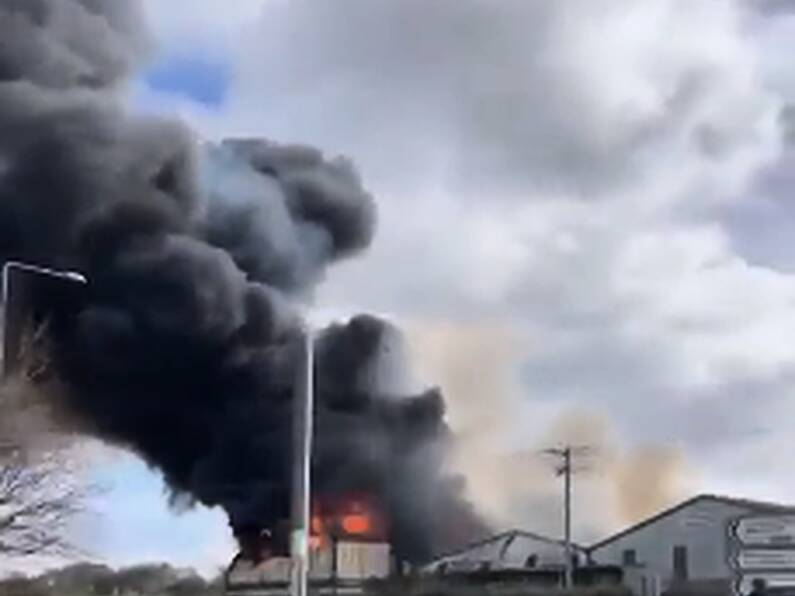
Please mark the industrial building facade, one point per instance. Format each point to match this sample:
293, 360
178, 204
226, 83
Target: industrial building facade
688, 543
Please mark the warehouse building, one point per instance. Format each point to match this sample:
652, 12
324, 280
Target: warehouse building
515, 549
515, 561
686, 544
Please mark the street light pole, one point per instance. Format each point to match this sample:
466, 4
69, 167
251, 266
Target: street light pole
16, 300
566, 471
303, 410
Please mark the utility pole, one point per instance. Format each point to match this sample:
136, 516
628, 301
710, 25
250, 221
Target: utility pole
565, 469
303, 414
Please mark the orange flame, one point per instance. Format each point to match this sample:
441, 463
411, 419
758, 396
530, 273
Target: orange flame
356, 523
317, 534
345, 517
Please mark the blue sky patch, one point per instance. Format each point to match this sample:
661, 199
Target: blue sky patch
130, 521
200, 78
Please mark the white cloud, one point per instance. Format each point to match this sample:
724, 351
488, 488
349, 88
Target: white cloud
200, 23
564, 169
516, 94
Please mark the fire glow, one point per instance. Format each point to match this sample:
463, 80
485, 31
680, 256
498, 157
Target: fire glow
347, 518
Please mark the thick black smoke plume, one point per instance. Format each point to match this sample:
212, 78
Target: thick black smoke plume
183, 350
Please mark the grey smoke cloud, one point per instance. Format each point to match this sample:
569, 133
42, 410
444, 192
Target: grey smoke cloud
68, 45
197, 254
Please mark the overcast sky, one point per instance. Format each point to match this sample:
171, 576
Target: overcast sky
599, 191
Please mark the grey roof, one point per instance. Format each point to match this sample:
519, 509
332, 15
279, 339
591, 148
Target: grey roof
502, 548
504, 537
751, 505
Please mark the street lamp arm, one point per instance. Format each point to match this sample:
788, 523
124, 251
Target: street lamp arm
12, 272
71, 275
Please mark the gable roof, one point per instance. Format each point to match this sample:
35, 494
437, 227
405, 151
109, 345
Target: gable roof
752, 506
506, 538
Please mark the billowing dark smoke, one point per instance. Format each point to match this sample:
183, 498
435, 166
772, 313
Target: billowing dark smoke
184, 350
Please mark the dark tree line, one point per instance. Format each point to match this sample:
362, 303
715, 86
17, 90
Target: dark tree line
84, 579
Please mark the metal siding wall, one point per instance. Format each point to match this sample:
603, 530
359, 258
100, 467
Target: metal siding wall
356, 561
363, 561
701, 527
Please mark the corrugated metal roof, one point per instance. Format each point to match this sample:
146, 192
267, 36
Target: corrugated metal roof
508, 549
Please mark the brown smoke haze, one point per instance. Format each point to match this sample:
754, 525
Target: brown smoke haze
477, 366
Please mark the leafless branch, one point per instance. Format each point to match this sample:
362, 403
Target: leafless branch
41, 489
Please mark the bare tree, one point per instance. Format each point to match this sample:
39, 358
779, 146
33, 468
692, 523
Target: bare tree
41, 488
38, 499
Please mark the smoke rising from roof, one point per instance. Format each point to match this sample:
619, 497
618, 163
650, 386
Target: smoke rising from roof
196, 254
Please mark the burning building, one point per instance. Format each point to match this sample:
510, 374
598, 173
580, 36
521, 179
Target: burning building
182, 348
349, 544
348, 517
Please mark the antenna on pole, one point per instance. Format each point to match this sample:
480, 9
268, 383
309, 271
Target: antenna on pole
565, 455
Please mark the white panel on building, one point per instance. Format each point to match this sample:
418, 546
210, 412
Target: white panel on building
773, 580
768, 530
357, 560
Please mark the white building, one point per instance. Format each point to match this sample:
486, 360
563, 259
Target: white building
515, 549
688, 542
339, 569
